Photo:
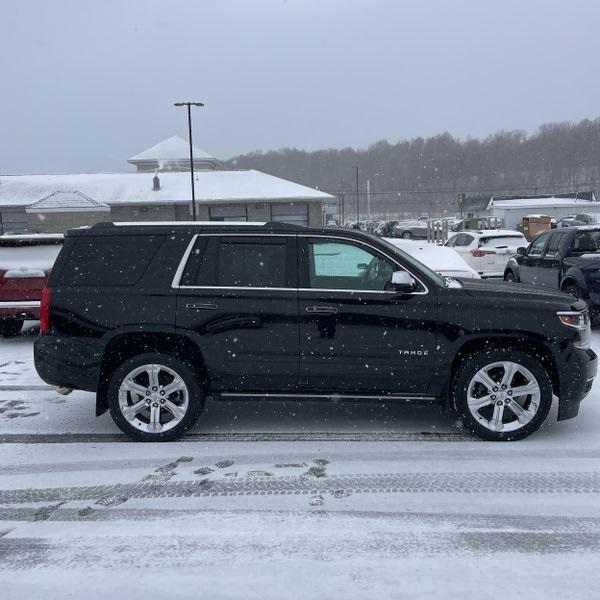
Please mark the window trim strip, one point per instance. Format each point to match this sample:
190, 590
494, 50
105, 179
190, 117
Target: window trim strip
175, 284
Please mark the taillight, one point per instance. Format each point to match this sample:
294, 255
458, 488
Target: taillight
478, 252
45, 310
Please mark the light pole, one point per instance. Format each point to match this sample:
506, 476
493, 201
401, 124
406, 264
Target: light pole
357, 201
189, 114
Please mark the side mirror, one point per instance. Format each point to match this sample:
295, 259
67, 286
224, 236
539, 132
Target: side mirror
402, 282
522, 251
362, 266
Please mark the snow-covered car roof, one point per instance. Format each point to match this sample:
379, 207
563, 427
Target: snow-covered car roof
490, 232
587, 227
441, 259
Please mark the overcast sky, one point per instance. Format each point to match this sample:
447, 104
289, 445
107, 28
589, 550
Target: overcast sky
84, 85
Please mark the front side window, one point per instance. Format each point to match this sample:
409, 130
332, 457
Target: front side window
552, 249
252, 263
537, 246
346, 266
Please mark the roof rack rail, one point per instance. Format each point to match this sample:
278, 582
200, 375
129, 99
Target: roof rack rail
281, 225
267, 225
102, 224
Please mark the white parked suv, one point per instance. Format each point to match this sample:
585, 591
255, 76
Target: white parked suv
487, 251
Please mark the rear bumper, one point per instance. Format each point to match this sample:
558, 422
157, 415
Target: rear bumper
576, 381
68, 362
20, 309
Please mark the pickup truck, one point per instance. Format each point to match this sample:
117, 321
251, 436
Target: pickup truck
566, 259
25, 262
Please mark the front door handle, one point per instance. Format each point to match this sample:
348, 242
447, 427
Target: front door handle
321, 310
202, 306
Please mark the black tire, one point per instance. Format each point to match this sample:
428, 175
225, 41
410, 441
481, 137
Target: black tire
406, 235
510, 276
196, 396
10, 327
472, 363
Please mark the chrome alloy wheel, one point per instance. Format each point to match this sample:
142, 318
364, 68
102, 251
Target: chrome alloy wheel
503, 396
153, 398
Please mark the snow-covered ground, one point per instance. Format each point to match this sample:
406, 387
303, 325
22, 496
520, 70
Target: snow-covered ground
290, 500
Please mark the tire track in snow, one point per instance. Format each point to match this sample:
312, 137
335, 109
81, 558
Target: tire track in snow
312, 436
402, 483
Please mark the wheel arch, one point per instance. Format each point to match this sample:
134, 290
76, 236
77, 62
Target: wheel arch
126, 345
527, 344
574, 277
512, 266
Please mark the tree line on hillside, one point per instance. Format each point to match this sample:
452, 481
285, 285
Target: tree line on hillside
427, 174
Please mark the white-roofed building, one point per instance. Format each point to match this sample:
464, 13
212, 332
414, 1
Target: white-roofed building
52, 203
512, 209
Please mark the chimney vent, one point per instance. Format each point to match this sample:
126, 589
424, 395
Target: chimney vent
155, 183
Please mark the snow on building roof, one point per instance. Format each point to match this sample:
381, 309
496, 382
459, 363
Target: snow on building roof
552, 202
482, 202
136, 188
174, 148
67, 201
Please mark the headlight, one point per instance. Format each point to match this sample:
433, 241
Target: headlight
579, 320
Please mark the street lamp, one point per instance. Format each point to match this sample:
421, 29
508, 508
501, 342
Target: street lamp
189, 114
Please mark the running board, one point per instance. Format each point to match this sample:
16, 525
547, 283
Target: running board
332, 397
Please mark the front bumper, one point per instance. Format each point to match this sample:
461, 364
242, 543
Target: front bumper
576, 380
67, 362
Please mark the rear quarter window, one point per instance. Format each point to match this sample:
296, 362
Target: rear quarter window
116, 260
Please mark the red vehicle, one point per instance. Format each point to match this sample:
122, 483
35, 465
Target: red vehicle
25, 262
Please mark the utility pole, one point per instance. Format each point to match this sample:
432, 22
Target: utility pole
357, 200
341, 207
189, 105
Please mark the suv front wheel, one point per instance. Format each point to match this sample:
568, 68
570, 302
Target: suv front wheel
502, 395
155, 397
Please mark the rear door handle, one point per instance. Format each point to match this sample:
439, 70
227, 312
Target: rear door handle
321, 310
202, 306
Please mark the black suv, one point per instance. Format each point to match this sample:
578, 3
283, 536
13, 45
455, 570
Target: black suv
156, 317
564, 259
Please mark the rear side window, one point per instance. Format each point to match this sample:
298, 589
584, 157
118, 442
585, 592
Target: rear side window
199, 269
462, 239
252, 263
537, 246
108, 260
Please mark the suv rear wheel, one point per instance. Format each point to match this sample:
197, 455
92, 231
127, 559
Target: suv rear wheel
154, 397
502, 395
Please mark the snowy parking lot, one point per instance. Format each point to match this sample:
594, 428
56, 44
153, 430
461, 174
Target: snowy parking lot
290, 500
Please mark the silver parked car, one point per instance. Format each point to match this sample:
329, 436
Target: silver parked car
409, 230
